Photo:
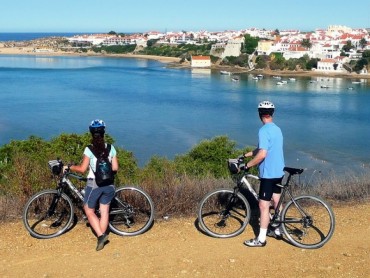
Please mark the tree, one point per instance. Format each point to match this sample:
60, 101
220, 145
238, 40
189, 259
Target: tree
366, 54
312, 63
151, 42
250, 44
348, 46
363, 43
360, 64
262, 61
306, 43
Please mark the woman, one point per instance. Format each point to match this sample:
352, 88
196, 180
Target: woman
95, 194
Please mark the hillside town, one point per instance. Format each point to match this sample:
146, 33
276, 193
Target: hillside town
326, 45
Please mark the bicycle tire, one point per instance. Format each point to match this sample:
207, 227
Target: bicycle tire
223, 214
313, 230
45, 219
131, 211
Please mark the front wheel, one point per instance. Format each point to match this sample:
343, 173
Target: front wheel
223, 213
131, 211
48, 214
308, 222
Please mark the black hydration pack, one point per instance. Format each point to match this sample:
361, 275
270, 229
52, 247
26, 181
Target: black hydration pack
103, 168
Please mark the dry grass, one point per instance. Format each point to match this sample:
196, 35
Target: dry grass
175, 195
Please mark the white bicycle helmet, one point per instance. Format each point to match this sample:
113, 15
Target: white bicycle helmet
266, 108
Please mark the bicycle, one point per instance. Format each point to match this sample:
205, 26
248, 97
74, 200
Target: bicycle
50, 213
306, 221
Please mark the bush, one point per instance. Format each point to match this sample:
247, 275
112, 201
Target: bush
208, 158
176, 186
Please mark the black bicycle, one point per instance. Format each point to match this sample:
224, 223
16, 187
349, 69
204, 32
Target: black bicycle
51, 212
306, 221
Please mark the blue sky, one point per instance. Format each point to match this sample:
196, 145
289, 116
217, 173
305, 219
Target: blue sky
172, 15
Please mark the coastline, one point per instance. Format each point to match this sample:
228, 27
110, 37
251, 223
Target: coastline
30, 51
174, 62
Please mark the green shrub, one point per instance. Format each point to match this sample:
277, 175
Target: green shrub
208, 158
176, 186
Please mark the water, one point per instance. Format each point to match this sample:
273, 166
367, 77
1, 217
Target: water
153, 110
32, 36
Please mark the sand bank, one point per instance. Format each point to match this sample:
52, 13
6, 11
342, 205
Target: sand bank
46, 52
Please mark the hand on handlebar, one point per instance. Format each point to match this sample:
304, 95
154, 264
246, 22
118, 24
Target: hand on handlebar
66, 168
241, 158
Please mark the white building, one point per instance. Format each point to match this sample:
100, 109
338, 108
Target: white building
200, 61
233, 47
331, 65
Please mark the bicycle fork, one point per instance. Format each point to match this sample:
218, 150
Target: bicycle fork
225, 214
52, 208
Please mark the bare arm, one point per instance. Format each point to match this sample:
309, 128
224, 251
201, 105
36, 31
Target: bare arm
260, 155
114, 163
82, 167
251, 153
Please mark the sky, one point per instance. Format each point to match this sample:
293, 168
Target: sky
121, 16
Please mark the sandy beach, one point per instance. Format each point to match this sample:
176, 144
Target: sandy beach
31, 51
175, 62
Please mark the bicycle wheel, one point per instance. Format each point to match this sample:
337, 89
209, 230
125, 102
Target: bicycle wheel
132, 211
223, 214
310, 222
48, 214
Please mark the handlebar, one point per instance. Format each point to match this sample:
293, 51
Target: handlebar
236, 165
57, 167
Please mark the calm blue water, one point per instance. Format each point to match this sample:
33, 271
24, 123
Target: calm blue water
153, 110
32, 36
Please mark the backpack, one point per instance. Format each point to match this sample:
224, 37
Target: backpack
103, 169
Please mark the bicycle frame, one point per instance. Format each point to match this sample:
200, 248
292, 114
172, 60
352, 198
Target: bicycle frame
71, 186
285, 191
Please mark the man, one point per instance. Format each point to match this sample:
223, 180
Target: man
269, 157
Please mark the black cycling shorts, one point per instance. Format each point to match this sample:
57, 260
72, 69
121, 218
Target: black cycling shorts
268, 187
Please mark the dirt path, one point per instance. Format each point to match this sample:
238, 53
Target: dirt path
175, 248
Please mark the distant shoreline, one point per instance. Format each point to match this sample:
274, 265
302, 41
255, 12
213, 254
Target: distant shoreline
174, 62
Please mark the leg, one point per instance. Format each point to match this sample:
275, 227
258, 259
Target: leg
276, 199
265, 196
93, 220
264, 207
104, 217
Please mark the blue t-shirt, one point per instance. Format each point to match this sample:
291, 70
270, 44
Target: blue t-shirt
270, 138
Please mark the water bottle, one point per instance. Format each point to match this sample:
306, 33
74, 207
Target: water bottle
83, 192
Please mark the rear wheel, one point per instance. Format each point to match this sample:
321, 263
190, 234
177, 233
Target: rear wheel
223, 213
310, 224
131, 211
48, 214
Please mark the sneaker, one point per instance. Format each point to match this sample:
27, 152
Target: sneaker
254, 242
275, 233
101, 242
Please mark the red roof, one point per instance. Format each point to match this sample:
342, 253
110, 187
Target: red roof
200, 57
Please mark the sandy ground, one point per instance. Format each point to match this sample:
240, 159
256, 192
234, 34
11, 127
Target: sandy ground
176, 248
30, 51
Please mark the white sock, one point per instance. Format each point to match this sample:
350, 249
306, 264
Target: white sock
262, 235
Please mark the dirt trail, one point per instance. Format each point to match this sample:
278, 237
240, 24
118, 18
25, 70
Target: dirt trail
175, 248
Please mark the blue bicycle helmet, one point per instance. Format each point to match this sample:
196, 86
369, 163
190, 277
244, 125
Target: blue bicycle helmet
97, 127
